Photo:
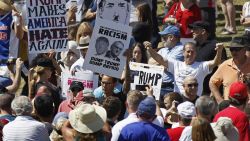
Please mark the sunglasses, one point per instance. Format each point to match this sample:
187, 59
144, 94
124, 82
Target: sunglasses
235, 49
192, 85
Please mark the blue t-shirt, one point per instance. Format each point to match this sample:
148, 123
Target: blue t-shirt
143, 131
5, 31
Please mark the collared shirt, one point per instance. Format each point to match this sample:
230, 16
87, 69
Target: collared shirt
25, 128
132, 117
227, 73
174, 53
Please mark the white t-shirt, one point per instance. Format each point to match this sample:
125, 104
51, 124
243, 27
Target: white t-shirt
181, 70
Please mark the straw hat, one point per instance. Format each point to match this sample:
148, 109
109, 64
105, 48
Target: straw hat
87, 118
84, 42
6, 5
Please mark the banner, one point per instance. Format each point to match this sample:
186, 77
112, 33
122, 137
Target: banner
88, 78
47, 28
144, 74
114, 10
108, 43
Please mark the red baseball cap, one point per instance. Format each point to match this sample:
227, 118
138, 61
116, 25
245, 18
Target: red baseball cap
238, 91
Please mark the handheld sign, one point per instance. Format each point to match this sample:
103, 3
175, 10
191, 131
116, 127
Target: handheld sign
88, 78
106, 49
47, 28
144, 74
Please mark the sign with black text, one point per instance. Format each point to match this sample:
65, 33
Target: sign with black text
108, 43
47, 28
144, 74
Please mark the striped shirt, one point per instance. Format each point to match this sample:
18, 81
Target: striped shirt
25, 128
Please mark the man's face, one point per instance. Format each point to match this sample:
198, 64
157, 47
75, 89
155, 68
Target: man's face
107, 85
116, 11
167, 40
101, 47
191, 88
116, 48
237, 52
189, 54
197, 33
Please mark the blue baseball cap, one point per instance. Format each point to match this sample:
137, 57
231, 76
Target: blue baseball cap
147, 106
171, 29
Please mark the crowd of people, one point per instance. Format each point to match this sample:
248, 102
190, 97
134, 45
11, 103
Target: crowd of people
204, 96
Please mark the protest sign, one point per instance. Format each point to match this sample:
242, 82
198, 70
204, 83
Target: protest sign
106, 49
47, 28
88, 78
147, 74
114, 10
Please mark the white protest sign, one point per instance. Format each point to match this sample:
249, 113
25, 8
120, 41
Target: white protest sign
106, 49
114, 10
47, 28
147, 74
88, 78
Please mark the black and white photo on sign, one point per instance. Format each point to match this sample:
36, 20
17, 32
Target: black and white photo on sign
47, 26
114, 10
146, 75
108, 43
101, 45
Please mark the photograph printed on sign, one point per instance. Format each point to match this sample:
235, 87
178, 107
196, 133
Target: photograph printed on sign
115, 10
101, 45
108, 43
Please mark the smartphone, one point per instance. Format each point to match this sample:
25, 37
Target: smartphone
73, 3
141, 87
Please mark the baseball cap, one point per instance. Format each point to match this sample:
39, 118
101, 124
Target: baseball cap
147, 106
171, 29
201, 25
237, 42
76, 85
238, 92
186, 110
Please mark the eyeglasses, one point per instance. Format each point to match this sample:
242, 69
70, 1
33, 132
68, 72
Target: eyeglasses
235, 49
192, 85
106, 83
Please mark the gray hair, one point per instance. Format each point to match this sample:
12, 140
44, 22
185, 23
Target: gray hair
21, 105
205, 106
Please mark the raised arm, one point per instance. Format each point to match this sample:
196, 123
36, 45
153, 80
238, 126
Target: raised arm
157, 57
217, 58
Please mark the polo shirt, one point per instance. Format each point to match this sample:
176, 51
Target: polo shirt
25, 128
132, 117
184, 18
239, 119
143, 131
227, 73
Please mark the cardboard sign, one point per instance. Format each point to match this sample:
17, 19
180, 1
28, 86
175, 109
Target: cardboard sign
147, 74
106, 49
88, 78
114, 10
47, 28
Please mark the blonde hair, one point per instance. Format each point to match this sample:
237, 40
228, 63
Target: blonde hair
83, 27
202, 130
